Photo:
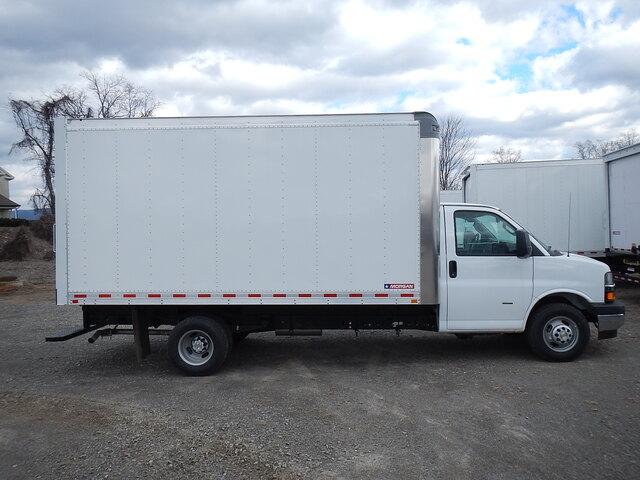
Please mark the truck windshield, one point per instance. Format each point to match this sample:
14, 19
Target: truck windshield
549, 249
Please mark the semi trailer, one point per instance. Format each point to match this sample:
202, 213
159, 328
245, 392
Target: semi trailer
563, 202
208, 229
451, 196
623, 173
586, 206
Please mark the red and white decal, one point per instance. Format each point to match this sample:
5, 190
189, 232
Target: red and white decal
242, 297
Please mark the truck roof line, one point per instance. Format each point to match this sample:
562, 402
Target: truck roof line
536, 162
622, 153
429, 127
418, 116
463, 204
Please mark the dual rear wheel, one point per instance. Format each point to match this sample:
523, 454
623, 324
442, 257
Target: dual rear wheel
199, 345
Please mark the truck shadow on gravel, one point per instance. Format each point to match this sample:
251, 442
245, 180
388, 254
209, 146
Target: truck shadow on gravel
346, 351
336, 350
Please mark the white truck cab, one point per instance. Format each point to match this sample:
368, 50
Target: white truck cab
496, 277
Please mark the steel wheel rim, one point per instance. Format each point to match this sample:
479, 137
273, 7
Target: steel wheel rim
560, 334
195, 347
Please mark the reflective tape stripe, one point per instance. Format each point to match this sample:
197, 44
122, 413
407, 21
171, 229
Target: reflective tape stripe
110, 297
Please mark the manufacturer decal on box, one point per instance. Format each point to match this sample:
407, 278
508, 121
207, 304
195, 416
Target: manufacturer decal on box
399, 286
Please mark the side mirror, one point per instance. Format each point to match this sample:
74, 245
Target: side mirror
523, 244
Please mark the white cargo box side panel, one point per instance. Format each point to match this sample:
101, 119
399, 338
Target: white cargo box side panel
624, 201
232, 213
536, 195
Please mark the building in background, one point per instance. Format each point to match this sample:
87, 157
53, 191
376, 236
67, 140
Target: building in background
8, 207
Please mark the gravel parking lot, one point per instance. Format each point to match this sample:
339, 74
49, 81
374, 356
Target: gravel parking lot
418, 406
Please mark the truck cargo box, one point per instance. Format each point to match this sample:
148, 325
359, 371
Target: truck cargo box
247, 210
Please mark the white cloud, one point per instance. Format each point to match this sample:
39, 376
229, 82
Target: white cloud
534, 75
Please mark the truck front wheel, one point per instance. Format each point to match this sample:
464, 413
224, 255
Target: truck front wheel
558, 332
199, 345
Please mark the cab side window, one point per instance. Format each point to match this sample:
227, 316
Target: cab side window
483, 234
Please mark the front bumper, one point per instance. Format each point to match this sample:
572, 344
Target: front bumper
609, 317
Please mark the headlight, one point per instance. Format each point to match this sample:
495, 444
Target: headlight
608, 280
609, 288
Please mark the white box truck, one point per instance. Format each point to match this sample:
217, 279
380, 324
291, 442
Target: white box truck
623, 176
539, 194
219, 227
451, 196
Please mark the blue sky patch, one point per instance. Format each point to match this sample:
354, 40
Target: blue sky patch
572, 11
519, 72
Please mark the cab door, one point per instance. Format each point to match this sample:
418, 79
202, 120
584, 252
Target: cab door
488, 287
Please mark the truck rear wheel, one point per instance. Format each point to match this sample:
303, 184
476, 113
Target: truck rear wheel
558, 332
199, 345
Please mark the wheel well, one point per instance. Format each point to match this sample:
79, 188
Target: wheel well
567, 298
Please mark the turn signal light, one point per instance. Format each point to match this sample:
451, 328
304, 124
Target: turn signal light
610, 296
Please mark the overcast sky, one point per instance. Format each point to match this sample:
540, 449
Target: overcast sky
534, 75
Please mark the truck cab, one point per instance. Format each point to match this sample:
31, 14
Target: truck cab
495, 276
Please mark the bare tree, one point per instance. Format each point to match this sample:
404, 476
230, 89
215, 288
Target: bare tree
117, 97
506, 155
35, 121
598, 148
457, 151
105, 97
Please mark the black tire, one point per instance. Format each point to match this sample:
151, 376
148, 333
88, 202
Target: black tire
199, 345
239, 336
558, 332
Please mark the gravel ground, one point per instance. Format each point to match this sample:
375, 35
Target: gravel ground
418, 406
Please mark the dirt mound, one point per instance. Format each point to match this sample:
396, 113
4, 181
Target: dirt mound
20, 243
18, 248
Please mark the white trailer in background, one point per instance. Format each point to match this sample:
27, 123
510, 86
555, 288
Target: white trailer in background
623, 172
538, 193
451, 196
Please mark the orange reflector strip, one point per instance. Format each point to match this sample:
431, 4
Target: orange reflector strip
610, 296
414, 301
